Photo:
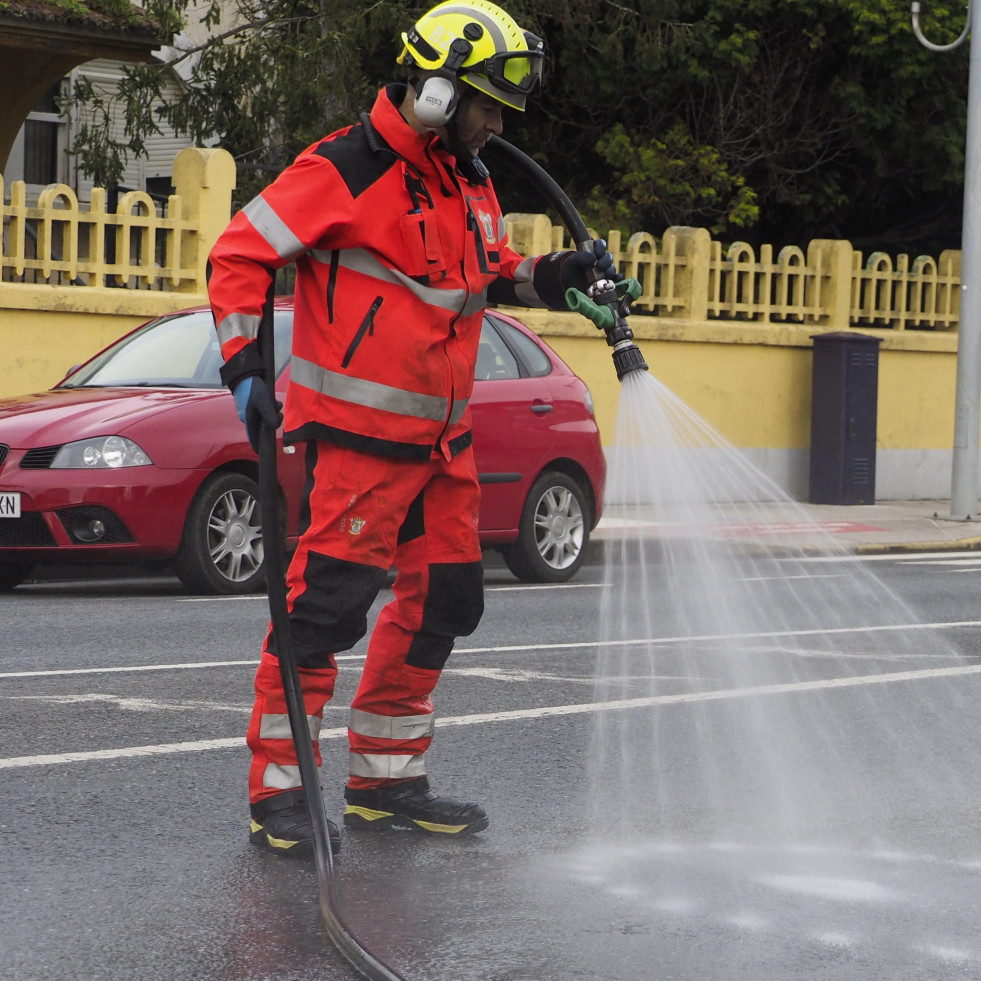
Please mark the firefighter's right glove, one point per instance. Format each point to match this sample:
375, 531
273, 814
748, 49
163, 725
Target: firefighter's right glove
256, 407
602, 314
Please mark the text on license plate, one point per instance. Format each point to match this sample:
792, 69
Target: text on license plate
9, 504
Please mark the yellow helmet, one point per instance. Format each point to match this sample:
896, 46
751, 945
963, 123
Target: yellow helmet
477, 42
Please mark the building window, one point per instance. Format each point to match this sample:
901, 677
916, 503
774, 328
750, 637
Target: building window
43, 134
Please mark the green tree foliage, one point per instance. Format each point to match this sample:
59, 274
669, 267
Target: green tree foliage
772, 120
826, 115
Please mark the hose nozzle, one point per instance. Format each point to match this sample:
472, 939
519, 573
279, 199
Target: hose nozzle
607, 308
627, 358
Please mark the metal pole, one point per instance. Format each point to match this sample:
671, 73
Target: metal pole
964, 472
967, 399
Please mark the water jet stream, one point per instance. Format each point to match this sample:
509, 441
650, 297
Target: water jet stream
740, 790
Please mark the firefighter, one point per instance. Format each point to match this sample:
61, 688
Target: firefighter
399, 242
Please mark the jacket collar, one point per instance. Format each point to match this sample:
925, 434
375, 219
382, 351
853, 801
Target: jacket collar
424, 151
398, 134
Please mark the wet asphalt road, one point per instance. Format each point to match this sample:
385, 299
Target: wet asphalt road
123, 841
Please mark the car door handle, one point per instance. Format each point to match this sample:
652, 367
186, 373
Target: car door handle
541, 408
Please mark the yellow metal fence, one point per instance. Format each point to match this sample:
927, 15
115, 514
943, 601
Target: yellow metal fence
685, 275
57, 241
140, 245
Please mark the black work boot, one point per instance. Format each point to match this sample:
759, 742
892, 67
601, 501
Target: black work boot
281, 824
411, 806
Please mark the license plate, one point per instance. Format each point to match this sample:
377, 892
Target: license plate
9, 504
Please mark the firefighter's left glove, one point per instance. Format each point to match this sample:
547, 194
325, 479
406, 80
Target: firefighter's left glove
256, 407
560, 271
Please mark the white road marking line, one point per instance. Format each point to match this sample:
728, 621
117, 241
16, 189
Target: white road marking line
904, 557
129, 704
164, 749
521, 648
975, 561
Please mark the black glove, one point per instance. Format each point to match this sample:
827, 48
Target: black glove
560, 271
575, 268
256, 407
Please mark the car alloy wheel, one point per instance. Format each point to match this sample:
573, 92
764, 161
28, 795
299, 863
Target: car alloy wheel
221, 549
553, 532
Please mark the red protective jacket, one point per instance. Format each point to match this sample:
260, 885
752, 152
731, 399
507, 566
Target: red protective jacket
395, 250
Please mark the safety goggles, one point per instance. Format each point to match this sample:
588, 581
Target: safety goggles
516, 72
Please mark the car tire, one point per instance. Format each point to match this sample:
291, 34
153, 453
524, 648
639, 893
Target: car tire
221, 550
12, 574
553, 531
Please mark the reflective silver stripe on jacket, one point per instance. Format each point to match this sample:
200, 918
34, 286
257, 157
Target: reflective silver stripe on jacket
277, 777
278, 727
238, 325
362, 261
524, 286
378, 766
391, 727
273, 229
373, 395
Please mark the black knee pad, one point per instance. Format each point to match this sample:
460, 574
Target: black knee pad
453, 608
331, 614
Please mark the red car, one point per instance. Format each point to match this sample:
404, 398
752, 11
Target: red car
138, 454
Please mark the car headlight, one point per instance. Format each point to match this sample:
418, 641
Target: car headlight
100, 453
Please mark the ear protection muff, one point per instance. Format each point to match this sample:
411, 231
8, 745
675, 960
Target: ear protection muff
436, 102
437, 99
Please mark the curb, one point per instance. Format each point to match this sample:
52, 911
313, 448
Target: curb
594, 552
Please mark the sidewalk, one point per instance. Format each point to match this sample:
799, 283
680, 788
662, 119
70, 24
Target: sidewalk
893, 526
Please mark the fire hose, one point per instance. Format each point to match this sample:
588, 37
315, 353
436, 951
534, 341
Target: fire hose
339, 933
607, 303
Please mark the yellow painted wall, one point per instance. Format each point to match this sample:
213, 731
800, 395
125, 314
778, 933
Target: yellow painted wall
40, 345
752, 382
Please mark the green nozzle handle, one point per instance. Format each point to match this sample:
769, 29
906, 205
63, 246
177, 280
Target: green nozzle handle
578, 302
601, 315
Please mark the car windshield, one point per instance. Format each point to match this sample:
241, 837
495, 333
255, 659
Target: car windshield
177, 351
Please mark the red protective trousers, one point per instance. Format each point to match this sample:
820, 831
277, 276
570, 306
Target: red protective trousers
363, 515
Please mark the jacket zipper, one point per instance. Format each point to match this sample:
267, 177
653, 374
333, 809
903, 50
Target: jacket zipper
367, 327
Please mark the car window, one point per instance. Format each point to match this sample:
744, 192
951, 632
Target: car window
505, 352
495, 360
534, 359
179, 351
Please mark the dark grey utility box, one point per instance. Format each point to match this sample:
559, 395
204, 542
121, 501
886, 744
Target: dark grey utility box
844, 393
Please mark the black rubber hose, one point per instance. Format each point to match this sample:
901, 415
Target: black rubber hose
360, 958
545, 183
627, 356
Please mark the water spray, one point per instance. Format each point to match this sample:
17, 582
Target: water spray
360, 958
607, 303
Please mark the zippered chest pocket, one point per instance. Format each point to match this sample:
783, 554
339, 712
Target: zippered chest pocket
422, 248
367, 327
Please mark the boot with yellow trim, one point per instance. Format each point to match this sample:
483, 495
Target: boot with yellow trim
411, 806
281, 824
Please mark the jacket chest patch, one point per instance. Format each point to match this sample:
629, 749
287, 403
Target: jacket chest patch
488, 225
